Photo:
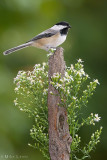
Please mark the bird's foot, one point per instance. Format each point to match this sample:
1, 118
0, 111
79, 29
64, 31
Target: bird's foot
53, 49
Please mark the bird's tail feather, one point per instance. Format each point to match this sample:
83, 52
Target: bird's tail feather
17, 48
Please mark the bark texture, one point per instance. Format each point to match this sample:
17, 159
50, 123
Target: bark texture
59, 137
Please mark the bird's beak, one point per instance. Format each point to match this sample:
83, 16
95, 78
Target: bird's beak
69, 26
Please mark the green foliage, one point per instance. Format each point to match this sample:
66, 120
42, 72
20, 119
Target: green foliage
74, 90
32, 89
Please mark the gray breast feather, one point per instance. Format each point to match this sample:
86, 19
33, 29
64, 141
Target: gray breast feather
45, 34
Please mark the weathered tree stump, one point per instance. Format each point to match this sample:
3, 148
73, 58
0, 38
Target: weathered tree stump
59, 136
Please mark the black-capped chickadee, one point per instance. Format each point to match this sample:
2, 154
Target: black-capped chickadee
49, 39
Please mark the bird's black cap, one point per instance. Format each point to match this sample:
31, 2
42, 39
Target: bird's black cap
64, 24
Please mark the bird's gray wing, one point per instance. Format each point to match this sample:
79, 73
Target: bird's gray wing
48, 33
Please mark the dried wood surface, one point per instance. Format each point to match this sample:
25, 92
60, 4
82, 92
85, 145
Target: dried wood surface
59, 137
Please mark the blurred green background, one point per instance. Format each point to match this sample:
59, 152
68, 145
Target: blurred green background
20, 20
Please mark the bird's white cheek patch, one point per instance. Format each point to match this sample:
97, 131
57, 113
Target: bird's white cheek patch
58, 27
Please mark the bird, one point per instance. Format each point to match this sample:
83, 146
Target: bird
46, 40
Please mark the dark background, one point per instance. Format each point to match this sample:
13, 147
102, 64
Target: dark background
20, 20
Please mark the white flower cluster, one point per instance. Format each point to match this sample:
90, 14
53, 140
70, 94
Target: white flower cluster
56, 75
68, 78
96, 81
16, 101
73, 78
45, 91
97, 118
19, 78
92, 119
31, 78
31, 83
80, 60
